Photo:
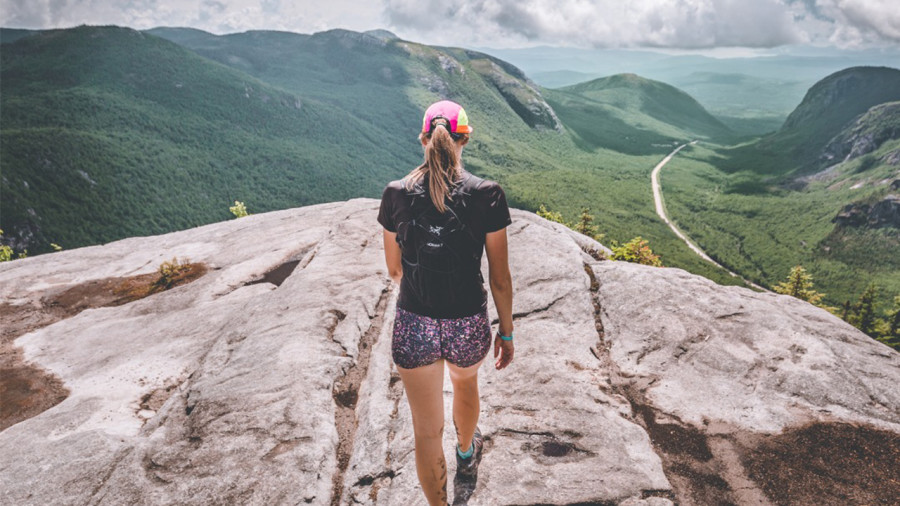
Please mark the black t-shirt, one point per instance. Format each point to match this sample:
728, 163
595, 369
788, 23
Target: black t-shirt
487, 211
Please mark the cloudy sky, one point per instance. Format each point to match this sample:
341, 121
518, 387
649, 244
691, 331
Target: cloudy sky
673, 24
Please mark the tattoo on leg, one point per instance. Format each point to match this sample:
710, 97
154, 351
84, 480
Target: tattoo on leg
443, 482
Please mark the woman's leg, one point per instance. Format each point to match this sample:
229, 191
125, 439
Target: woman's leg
466, 405
424, 390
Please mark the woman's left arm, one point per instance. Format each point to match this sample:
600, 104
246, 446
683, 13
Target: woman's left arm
392, 256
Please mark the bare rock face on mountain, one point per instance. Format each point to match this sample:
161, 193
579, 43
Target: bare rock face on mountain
865, 134
268, 380
520, 93
884, 213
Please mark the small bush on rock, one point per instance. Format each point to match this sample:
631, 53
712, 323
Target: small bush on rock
239, 210
636, 251
171, 272
864, 311
545, 213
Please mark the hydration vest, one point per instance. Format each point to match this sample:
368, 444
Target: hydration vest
441, 255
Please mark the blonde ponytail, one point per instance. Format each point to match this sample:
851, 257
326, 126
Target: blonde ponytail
442, 165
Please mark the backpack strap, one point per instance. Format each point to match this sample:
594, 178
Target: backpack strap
468, 185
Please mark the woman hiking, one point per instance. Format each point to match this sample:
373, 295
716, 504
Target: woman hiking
438, 220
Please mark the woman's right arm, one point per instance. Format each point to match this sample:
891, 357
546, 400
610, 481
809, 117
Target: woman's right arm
392, 256
495, 245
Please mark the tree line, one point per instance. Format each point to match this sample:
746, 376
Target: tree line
862, 314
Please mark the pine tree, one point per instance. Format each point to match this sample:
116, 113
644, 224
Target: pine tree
586, 225
799, 284
845, 311
864, 317
893, 320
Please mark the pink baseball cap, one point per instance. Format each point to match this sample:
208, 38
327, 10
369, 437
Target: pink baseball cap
452, 112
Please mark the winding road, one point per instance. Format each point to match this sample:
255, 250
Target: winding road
661, 211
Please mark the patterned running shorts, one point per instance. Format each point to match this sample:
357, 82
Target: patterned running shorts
421, 340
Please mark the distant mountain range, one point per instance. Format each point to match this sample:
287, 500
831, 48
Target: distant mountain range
751, 95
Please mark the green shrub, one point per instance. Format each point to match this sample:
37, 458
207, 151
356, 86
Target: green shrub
7, 254
543, 212
171, 272
636, 251
866, 163
239, 210
584, 225
862, 315
893, 318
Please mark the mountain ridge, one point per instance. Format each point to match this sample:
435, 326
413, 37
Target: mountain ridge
659, 100
864, 134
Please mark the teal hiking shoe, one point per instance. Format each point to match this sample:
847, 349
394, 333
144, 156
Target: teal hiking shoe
469, 466
467, 471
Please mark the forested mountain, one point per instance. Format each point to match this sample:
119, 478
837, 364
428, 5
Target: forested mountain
14, 34
369, 72
630, 114
110, 132
828, 107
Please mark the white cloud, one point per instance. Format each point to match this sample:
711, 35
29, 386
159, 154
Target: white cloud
860, 22
681, 24
606, 23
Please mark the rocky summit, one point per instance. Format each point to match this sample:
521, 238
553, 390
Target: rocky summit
266, 378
